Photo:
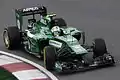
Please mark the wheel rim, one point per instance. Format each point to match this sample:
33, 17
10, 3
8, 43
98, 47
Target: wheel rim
6, 39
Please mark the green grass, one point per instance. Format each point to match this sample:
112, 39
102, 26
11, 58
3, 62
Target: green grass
6, 75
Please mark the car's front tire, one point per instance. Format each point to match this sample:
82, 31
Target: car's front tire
49, 57
99, 47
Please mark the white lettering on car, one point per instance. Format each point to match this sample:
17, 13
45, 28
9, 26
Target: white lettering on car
55, 43
29, 9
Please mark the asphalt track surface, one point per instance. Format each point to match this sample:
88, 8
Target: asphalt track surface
98, 18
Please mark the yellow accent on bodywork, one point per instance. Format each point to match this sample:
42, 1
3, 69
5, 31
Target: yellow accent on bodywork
44, 52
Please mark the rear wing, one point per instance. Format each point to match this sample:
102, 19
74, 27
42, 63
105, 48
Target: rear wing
31, 11
19, 13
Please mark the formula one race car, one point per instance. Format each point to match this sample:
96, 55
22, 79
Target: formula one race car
62, 47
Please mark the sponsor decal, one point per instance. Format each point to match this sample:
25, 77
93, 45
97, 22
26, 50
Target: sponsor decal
30, 9
55, 43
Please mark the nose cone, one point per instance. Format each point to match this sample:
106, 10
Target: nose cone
78, 49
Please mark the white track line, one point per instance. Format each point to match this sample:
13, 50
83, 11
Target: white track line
32, 63
24, 75
7, 60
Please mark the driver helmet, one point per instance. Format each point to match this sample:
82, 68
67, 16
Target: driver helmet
56, 30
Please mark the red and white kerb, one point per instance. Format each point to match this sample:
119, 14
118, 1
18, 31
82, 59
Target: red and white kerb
21, 70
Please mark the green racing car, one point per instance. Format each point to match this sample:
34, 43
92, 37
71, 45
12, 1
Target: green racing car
62, 47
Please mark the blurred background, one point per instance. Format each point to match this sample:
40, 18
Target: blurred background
98, 18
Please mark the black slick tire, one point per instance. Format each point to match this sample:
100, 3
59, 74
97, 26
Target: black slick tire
11, 37
59, 22
49, 57
99, 47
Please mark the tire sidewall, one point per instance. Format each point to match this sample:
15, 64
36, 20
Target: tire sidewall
49, 57
99, 47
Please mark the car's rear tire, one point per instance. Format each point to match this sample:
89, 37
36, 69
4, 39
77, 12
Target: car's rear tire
59, 22
11, 37
49, 57
99, 47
